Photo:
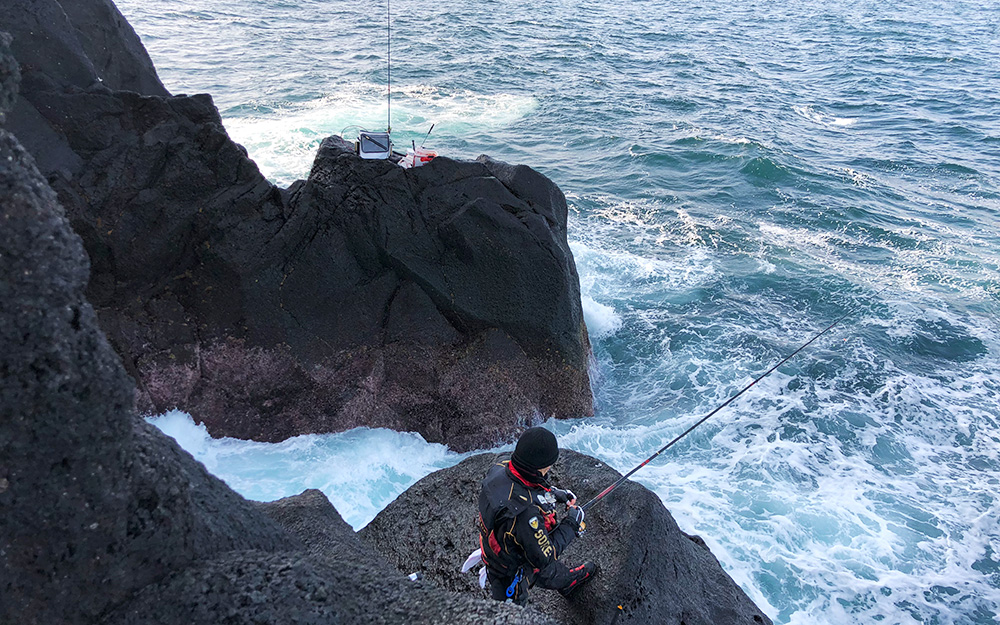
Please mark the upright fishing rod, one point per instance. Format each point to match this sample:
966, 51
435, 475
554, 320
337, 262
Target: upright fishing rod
608, 490
388, 66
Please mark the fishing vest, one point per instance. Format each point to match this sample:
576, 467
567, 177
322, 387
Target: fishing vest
504, 496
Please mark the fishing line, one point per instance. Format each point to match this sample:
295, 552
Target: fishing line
618, 483
388, 66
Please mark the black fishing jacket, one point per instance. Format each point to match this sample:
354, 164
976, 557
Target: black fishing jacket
517, 528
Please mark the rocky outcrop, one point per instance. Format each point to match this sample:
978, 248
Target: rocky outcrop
77, 44
64, 46
335, 579
442, 300
650, 568
87, 492
103, 519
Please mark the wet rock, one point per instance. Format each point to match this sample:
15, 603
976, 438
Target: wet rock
649, 567
442, 300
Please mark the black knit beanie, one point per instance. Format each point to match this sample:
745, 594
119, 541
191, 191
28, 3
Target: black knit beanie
536, 449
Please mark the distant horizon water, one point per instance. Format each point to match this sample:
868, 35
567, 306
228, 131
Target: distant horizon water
739, 175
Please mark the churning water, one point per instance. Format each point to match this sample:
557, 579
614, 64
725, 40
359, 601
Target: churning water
739, 174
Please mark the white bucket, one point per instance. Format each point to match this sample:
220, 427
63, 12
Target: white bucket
416, 157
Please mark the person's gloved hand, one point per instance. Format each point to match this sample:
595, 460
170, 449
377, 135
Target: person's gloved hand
564, 496
575, 515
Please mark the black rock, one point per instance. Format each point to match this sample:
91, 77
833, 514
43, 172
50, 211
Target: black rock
10, 77
81, 44
89, 496
649, 567
442, 300
78, 43
103, 519
336, 580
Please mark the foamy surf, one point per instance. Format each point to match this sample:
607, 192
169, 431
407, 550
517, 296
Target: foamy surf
820, 117
602, 320
360, 471
283, 140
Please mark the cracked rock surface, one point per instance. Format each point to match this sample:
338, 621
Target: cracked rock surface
442, 300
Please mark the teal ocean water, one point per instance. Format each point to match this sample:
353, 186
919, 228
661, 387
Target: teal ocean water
739, 175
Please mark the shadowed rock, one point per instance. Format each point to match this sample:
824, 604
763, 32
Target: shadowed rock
103, 519
649, 567
64, 46
442, 300
337, 579
89, 496
61, 43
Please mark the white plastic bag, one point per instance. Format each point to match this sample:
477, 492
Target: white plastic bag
475, 558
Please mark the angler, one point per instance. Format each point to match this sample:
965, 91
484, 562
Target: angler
520, 540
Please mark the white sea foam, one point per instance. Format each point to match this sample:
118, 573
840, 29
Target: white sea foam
806, 505
603, 269
822, 118
733, 140
828, 501
283, 143
650, 219
859, 178
832, 250
798, 236
360, 470
602, 320
641, 212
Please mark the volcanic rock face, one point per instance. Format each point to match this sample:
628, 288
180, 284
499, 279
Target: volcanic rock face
218, 290
103, 519
442, 300
649, 567
335, 579
88, 495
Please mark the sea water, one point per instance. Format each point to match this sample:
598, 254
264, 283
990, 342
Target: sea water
739, 175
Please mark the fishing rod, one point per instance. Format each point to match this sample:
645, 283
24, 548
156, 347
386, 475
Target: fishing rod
388, 66
604, 493
425, 138
378, 145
